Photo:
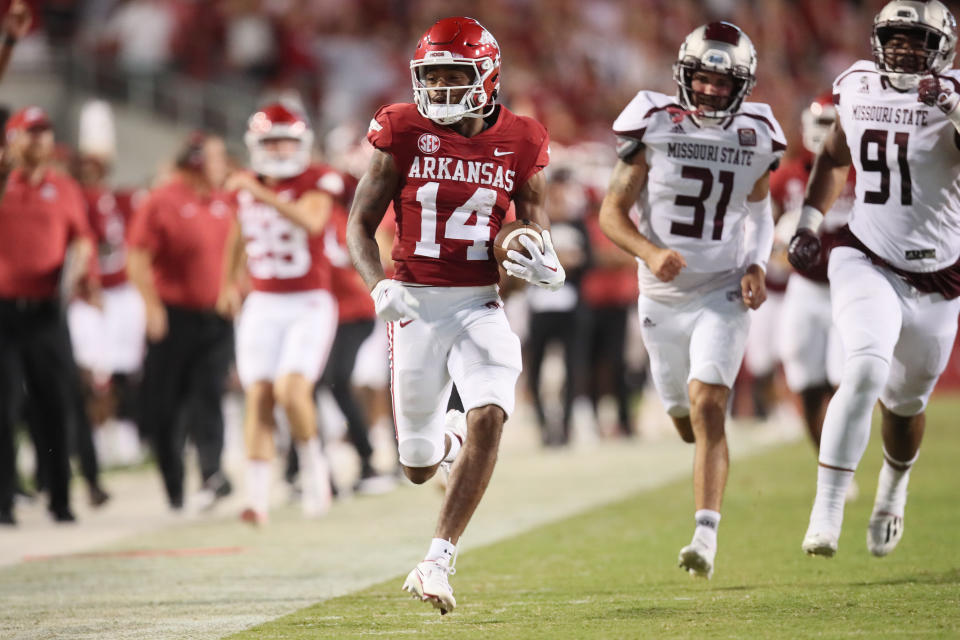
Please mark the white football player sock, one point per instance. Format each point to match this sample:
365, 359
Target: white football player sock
455, 446
314, 477
707, 523
258, 485
441, 550
827, 513
892, 485
846, 426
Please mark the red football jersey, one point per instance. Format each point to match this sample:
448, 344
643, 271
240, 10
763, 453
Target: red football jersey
109, 214
788, 185
454, 191
282, 256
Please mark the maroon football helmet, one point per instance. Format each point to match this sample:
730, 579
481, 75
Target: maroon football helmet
457, 41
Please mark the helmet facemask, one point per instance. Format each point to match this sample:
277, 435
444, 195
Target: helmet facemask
720, 48
909, 42
280, 164
473, 103
712, 106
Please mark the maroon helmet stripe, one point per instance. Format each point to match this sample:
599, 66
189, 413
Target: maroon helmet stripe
722, 32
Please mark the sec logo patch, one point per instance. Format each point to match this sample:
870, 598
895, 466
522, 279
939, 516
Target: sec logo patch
428, 143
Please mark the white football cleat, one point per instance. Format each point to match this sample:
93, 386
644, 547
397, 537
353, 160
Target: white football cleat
883, 532
820, 543
697, 559
429, 582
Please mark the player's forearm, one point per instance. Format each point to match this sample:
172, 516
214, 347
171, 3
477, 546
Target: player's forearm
310, 212
141, 275
758, 233
364, 253
6, 52
232, 258
616, 224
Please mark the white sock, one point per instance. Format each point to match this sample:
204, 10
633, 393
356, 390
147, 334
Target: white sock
314, 477
455, 443
827, 513
455, 446
258, 485
892, 485
441, 550
707, 523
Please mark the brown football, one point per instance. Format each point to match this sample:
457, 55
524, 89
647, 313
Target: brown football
508, 239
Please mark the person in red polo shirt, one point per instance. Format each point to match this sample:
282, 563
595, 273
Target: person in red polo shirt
177, 240
41, 219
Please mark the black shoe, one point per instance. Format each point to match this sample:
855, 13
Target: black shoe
222, 487
98, 497
62, 514
176, 503
6, 518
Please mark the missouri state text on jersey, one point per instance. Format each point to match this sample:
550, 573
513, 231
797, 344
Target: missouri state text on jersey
454, 191
907, 208
281, 255
699, 177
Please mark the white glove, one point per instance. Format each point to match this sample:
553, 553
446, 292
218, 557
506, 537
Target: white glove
542, 268
393, 302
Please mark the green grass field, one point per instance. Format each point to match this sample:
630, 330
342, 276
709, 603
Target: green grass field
611, 572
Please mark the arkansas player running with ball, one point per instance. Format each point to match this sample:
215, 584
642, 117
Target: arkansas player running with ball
289, 320
451, 164
895, 271
697, 166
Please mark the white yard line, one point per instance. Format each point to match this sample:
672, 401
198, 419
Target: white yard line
262, 574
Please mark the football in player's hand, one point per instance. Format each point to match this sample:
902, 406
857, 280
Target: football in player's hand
508, 239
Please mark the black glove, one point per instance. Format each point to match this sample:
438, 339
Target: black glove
804, 249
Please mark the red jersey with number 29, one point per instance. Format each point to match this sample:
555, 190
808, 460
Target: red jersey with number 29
454, 191
282, 256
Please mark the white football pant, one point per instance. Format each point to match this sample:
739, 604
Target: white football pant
702, 339
896, 342
462, 338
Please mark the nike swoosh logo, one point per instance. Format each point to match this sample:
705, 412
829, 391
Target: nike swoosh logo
551, 268
404, 323
499, 153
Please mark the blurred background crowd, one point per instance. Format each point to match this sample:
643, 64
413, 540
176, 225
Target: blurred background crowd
125, 81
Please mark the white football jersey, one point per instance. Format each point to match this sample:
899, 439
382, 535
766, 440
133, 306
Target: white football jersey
694, 201
907, 157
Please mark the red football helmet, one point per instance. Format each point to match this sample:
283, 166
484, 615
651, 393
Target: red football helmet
278, 122
457, 41
816, 121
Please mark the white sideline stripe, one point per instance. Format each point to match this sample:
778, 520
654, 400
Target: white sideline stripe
292, 564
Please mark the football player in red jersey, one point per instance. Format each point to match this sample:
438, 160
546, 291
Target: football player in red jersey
451, 163
288, 321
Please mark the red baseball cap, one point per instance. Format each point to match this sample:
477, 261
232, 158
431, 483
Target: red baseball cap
28, 118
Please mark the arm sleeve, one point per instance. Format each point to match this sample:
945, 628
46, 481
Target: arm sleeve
380, 132
758, 233
541, 158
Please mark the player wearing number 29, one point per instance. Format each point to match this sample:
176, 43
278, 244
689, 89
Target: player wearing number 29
697, 166
894, 273
288, 321
451, 163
